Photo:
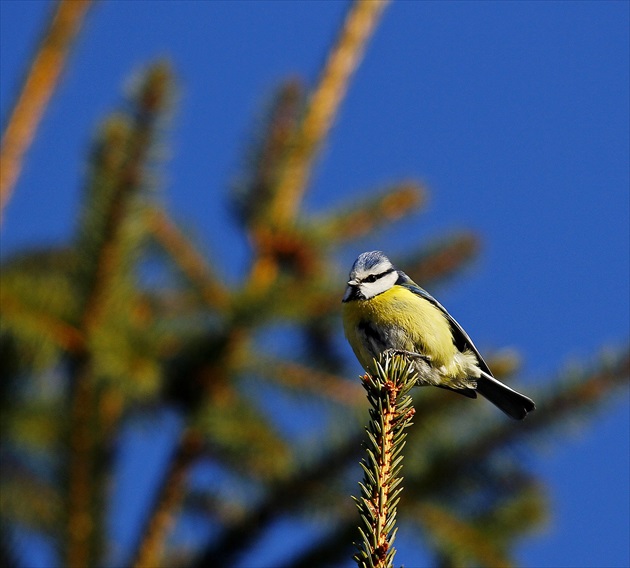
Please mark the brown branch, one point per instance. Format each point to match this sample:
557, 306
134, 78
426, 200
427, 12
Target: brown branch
462, 534
39, 85
110, 251
64, 335
169, 499
302, 485
192, 264
379, 500
320, 114
391, 412
92, 416
253, 195
81, 549
296, 376
363, 218
324, 104
442, 260
127, 173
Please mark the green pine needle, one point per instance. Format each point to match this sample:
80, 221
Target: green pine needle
390, 414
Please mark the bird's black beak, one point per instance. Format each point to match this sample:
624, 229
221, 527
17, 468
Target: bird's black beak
352, 291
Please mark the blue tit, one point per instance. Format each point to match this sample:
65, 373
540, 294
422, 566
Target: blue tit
384, 310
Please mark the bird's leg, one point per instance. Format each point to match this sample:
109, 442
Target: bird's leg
410, 354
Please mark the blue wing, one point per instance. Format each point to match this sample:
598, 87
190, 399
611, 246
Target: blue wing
460, 337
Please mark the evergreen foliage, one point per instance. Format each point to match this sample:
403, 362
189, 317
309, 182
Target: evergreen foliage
89, 350
391, 411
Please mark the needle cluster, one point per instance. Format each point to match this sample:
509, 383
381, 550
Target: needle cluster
391, 412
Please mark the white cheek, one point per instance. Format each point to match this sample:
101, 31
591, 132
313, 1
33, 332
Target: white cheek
371, 289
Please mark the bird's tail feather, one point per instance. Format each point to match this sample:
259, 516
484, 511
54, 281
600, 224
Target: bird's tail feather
514, 404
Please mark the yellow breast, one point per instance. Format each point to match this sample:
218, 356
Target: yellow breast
420, 326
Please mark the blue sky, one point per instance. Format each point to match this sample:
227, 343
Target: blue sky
516, 116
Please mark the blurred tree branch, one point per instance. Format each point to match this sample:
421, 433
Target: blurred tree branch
320, 112
118, 177
39, 85
169, 498
323, 105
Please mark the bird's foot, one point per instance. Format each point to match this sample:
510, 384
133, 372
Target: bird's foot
410, 354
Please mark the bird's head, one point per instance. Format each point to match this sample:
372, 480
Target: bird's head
372, 273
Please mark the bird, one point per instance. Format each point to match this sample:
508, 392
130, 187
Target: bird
385, 311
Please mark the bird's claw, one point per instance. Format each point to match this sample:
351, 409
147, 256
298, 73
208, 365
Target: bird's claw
409, 354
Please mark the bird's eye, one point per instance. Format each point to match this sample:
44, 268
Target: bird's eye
371, 278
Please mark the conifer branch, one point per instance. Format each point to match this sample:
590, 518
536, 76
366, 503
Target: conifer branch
293, 173
119, 176
442, 259
305, 379
82, 532
254, 191
588, 390
361, 219
585, 392
62, 334
168, 500
38, 87
307, 483
324, 104
183, 253
461, 536
446, 470
121, 161
390, 413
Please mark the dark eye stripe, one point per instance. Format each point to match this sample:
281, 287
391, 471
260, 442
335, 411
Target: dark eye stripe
375, 277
